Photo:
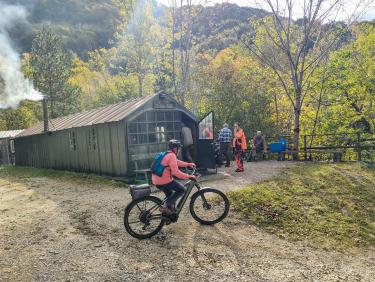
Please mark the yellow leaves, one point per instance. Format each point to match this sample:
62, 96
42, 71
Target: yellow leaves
3, 125
23, 117
26, 67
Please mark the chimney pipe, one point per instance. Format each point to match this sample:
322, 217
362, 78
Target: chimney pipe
45, 114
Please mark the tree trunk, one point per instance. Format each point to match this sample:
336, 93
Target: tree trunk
173, 49
45, 114
296, 131
181, 86
140, 86
277, 114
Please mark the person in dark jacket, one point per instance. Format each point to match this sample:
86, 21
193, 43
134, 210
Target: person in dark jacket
225, 138
260, 144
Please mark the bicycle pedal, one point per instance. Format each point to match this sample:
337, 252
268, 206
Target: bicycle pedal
173, 217
168, 221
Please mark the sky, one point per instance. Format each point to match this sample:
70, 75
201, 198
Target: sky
348, 6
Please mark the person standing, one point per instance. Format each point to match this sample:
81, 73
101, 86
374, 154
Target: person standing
260, 144
187, 142
239, 146
225, 138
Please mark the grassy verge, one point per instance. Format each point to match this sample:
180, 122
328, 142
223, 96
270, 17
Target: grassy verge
328, 205
30, 172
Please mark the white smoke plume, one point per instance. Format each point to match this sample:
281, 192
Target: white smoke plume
17, 87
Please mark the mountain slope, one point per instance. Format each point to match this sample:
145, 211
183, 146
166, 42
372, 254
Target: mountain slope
84, 25
87, 25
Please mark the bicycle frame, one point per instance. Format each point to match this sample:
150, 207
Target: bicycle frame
189, 187
145, 215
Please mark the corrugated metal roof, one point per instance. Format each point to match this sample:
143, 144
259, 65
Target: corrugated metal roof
100, 115
9, 133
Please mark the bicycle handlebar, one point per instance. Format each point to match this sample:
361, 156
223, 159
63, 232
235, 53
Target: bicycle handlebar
194, 172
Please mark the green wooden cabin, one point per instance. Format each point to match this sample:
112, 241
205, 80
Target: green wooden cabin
112, 140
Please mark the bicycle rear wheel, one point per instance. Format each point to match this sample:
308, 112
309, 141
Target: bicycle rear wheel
142, 218
209, 206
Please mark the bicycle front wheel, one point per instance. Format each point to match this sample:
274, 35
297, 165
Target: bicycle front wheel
209, 206
142, 218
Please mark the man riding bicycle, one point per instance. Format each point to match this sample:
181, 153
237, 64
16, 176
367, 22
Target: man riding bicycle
172, 189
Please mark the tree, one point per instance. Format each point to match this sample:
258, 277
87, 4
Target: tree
236, 89
296, 48
182, 37
51, 69
27, 114
138, 44
99, 82
350, 90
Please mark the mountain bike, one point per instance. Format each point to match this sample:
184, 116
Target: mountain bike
143, 219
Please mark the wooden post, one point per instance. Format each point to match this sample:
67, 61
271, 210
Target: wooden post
359, 146
305, 146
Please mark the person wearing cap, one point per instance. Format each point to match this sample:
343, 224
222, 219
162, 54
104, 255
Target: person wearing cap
260, 144
224, 139
239, 146
172, 189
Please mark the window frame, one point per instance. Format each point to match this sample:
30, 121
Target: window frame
72, 141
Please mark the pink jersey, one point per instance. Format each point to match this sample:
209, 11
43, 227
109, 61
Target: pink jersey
171, 164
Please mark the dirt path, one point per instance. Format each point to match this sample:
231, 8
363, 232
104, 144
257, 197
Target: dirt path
254, 172
53, 231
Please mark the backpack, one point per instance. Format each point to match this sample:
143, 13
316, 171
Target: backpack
157, 168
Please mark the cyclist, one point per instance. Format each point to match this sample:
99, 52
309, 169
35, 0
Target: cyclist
172, 189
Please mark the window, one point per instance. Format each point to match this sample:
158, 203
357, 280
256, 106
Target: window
72, 141
151, 116
160, 134
92, 139
160, 116
169, 116
206, 127
149, 134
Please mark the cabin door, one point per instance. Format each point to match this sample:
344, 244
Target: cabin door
206, 150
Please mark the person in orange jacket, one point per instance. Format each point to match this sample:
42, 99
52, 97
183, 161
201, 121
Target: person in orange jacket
239, 146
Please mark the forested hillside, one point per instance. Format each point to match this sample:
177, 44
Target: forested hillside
91, 24
84, 25
217, 27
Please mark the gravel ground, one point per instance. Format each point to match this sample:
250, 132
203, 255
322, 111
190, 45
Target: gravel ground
53, 231
227, 179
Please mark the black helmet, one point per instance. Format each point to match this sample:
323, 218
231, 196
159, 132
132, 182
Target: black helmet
173, 143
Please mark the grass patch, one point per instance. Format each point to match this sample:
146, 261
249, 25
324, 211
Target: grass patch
328, 205
20, 172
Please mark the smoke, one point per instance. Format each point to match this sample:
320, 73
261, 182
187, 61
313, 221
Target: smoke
16, 86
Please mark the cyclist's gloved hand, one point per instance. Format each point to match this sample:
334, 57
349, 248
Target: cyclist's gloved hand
192, 165
193, 177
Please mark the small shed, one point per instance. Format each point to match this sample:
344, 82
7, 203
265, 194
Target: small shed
7, 152
112, 140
